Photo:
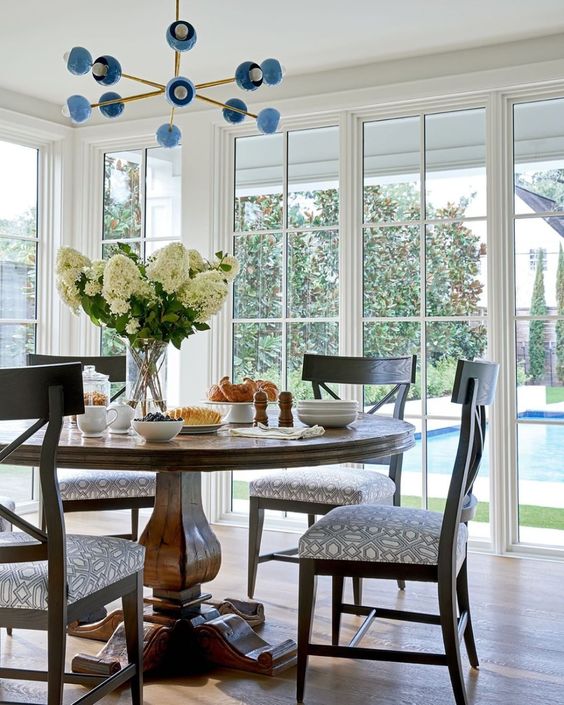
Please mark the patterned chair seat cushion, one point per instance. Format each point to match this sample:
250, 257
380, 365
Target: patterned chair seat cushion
9, 504
104, 484
380, 534
334, 484
93, 562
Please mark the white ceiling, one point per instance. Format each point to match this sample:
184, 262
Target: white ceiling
306, 35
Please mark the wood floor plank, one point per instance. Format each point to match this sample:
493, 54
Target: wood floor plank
518, 620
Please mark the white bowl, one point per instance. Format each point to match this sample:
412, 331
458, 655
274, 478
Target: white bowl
335, 420
158, 431
341, 404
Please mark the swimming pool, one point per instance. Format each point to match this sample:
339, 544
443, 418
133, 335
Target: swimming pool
540, 447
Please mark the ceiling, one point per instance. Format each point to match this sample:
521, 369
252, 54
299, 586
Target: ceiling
307, 36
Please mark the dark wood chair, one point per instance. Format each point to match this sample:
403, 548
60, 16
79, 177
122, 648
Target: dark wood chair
407, 544
48, 579
316, 491
94, 490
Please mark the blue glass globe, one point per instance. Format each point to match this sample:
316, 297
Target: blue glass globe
79, 108
272, 72
106, 70
79, 61
115, 109
181, 36
268, 121
180, 91
248, 76
233, 116
168, 136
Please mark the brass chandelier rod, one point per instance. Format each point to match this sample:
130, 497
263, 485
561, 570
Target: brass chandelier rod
210, 84
143, 80
129, 99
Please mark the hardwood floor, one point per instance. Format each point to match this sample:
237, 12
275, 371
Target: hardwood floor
518, 613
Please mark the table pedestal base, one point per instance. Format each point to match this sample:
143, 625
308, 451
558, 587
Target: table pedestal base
188, 643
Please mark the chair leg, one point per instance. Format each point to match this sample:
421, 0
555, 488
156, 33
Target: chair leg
464, 606
256, 523
357, 591
337, 601
401, 584
56, 648
133, 621
134, 524
310, 520
306, 606
9, 631
449, 625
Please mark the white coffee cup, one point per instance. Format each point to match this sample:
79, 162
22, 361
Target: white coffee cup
94, 421
125, 415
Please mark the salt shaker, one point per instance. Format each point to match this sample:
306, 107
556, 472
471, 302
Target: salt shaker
261, 402
285, 419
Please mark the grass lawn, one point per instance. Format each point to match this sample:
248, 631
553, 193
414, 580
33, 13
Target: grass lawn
554, 394
529, 515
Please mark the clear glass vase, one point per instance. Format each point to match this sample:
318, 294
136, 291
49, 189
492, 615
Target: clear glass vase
146, 375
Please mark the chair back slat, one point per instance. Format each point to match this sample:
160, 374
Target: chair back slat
466, 391
112, 365
339, 369
22, 394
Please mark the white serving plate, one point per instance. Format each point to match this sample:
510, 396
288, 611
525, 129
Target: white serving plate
202, 428
327, 420
330, 403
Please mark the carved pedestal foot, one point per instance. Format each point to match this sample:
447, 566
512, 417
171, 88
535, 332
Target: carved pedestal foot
249, 610
101, 631
230, 641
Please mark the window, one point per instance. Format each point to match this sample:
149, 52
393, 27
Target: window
142, 207
539, 318
19, 239
424, 276
286, 236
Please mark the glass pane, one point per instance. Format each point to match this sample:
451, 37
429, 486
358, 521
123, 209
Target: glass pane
16, 481
391, 271
319, 338
151, 246
111, 249
122, 206
313, 178
456, 269
18, 190
541, 484
163, 196
258, 182
540, 369
391, 340
17, 278
257, 351
539, 156
539, 266
257, 291
391, 170
313, 274
455, 153
442, 443
446, 343
112, 344
412, 471
16, 340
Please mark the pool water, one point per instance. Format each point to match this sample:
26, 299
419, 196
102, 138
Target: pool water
540, 449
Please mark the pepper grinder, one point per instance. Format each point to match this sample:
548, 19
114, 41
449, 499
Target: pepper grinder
285, 419
261, 402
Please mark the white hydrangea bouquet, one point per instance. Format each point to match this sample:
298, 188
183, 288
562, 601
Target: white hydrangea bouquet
150, 304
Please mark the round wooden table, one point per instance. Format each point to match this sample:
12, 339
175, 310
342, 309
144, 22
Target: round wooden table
182, 551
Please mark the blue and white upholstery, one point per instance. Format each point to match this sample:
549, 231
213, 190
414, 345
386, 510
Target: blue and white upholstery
103, 484
93, 562
335, 484
380, 534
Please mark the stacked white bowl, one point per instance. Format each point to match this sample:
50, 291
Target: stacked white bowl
331, 413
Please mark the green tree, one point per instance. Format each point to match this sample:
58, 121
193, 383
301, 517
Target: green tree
536, 328
560, 312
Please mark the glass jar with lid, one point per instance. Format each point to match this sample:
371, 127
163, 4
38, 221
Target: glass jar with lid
96, 387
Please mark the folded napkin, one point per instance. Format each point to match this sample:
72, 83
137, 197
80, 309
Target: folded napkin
289, 434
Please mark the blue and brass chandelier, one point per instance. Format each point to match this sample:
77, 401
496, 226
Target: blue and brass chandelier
179, 91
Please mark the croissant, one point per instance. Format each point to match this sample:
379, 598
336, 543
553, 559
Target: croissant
269, 387
237, 392
215, 393
195, 415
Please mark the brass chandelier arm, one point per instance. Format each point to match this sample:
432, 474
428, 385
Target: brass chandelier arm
144, 80
128, 99
218, 104
210, 84
171, 119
